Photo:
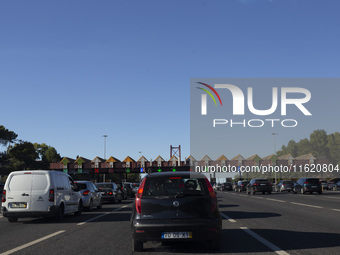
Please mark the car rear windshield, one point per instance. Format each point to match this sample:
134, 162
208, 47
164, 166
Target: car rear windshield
261, 181
287, 182
174, 186
312, 180
81, 185
104, 186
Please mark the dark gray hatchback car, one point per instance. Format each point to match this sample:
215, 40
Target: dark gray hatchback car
307, 185
175, 206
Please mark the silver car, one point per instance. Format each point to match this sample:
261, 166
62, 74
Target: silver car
90, 195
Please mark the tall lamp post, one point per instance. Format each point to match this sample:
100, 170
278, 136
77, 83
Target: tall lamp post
274, 134
105, 146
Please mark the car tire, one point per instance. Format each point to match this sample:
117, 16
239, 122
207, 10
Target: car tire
100, 206
12, 219
215, 244
60, 213
320, 192
80, 208
90, 208
269, 192
137, 245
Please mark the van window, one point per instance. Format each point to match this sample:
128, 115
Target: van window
20, 182
39, 182
66, 183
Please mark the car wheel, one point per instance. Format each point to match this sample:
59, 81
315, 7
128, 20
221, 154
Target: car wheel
80, 208
60, 213
320, 192
90, 208
113, 200
269, 192
137, 245
12, 219
100, 206
215, 244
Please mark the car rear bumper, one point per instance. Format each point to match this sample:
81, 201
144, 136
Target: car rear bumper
201, 229
30, 214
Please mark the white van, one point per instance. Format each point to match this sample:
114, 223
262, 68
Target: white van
40, 193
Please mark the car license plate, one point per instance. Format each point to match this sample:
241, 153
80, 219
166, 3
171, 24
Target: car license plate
175, 235
18, 205
314, 187
262, 184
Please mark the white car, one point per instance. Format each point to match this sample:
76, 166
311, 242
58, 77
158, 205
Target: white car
91, 197
40, 193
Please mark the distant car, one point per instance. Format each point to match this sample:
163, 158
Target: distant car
241, 186
218, 187
324, 185
336, 186
330, 185
175, 206
109, 192
128, 186
284, 186
227, 186
135, 187
123, 190
91, 196
259, 185
307, 185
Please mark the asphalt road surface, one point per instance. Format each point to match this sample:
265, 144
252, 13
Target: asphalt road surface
280, 223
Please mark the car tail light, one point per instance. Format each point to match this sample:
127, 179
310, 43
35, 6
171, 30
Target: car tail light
3, 199
138, 198
306, 182
319, 182
110, 193
86, 192
51, 195
212, 194
255, 184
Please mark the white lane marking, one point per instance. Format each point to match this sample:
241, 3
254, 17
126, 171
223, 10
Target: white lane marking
336, 210
102, 215
243, 195
228, 218
270, 245
32, 243
314, 206
258, 197
276, 200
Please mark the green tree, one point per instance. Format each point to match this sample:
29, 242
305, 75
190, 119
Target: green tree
23, 156
47, 155
303, 147
333, 147
6, 136
318, 141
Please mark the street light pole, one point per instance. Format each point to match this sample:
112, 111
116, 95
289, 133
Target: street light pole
274, 134
105, 146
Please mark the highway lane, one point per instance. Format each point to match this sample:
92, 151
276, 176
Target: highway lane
260, 224
298, 224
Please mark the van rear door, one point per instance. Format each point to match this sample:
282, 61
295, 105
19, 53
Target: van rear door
19, 191
40, 191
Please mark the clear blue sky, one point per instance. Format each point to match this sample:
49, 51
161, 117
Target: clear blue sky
72, 71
